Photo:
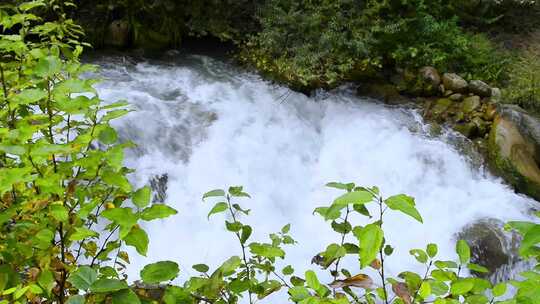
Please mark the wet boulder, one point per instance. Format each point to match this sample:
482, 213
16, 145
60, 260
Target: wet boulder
491, 246
159, 185
454, 83
479, 88
514, 149
382, 91
117, 34
430, 80
496, 95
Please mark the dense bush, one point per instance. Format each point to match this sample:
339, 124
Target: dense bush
523, 87
167, 23
321, 43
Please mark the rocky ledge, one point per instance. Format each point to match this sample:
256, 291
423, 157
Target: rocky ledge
507, 135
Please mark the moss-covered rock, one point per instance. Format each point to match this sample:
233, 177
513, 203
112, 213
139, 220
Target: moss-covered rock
382, 91
470, 104
440, 106
512, 154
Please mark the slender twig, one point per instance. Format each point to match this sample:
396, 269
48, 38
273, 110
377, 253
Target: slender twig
103, 245
423, 280
381, 255
281, 279
50, 113
248, 270
336, 269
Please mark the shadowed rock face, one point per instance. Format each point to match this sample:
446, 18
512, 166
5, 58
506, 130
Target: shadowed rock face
491, 246
514, 149
159, 185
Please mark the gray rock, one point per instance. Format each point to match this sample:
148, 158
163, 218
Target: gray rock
496, 95
527, 125
514, 149
456, 97
431, 76
159, 185
454, 83
480, 88
117, 34
491, 246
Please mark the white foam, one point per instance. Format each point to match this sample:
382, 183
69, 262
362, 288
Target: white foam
283, 153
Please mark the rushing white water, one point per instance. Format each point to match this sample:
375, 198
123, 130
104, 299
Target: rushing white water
208, 125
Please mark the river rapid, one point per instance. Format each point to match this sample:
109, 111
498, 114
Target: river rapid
205, 124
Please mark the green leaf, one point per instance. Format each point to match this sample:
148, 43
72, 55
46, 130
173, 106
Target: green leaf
425, 290
477, 268
299, 293
461, 287
78, 299
83, 233
420, 255
431, 250
159, 272
108, 285
405, 204
29, 96
116, 179
266, 250
233, 227
334, 251
126, 296
499, 289
530, 240
59, 212
246, 233
83, 277
123, 217
138, 239
157, 211
313, 282
464, 252
371, 240
355, 198
229, 266
238, 192
46, 281
286, 228
288, 270
219, 207
201, 268
330, 213
340, 186
214, 193
141, 197
388, 250
48, 66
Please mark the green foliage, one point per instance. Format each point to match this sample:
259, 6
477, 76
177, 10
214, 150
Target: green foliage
165, 23
311, 44
65, 205
524, 81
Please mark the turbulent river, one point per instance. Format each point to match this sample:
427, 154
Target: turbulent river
202, 124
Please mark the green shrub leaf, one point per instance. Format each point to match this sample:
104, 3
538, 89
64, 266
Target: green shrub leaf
404, 204
159, 272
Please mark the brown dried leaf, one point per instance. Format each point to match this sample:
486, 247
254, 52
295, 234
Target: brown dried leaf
33, 273
401, 290
376, 264
359, 280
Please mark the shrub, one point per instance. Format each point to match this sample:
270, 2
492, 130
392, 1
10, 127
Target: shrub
323, 43
524, 78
